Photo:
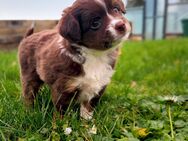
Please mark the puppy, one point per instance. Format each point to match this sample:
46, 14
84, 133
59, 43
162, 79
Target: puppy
76, 59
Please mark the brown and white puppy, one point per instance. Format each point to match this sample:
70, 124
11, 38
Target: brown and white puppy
76, 58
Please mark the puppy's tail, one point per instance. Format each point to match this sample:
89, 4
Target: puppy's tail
30, 31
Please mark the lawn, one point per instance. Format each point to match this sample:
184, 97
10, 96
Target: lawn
147, 100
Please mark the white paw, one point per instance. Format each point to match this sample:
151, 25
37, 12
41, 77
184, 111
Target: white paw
85, 114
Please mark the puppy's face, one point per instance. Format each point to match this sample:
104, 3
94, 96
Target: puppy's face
96, 24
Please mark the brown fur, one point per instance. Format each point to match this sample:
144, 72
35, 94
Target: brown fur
41, 60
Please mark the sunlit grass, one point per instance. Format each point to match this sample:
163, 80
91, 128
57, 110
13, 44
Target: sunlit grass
133, 108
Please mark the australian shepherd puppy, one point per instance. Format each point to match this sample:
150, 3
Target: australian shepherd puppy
75, 59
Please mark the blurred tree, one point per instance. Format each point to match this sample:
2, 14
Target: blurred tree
134, 3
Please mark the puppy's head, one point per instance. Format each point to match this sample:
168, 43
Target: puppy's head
96, 24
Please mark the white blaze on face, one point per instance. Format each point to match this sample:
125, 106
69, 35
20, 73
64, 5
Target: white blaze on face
112, 25
124, 2
114, 21
103, 4
114, 32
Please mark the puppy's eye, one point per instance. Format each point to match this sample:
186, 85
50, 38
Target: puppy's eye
116, 10
96, 23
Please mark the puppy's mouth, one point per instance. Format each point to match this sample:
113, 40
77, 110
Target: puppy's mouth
108, 44
112, 42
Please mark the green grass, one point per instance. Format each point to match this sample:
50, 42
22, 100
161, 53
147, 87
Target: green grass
133, 108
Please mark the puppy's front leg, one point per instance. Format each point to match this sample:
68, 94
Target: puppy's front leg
87, 107
62, 101
86, 110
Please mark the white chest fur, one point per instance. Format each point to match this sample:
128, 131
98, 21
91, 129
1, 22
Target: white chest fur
98, 73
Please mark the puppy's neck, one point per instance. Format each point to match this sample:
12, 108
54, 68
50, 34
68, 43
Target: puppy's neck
96, 53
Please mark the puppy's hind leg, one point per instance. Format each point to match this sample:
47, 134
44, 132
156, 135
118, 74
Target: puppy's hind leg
30, 87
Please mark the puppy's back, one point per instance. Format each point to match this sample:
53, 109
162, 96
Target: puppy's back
30, 45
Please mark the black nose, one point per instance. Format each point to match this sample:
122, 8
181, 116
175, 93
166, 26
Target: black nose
120, 26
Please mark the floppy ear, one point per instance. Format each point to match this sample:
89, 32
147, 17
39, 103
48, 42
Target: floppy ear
69, 28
